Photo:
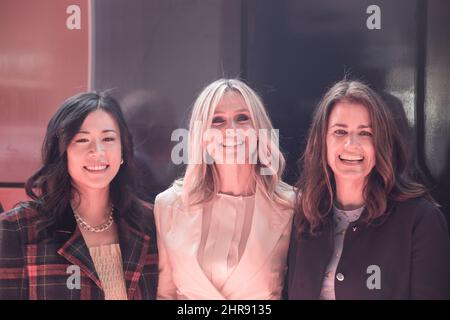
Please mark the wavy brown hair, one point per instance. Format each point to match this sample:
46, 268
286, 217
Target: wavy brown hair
390, 179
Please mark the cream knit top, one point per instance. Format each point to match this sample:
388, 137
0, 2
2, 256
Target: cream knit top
108, 264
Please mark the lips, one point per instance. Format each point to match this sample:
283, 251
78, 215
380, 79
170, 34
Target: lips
98, 168
230, 145
348, 158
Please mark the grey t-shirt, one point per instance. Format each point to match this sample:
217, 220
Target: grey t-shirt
341, 219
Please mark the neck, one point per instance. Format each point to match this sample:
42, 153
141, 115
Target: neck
92, 205
349, 194
236, 179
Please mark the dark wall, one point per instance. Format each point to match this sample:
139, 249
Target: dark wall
434, 145
155, 56
296, 49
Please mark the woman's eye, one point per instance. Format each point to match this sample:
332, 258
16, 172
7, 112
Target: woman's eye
218, 120
366, 133
340, 132
82, 140
242, 117
109, 139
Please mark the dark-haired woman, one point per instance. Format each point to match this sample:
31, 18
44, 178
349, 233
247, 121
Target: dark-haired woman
84, 235
363, 228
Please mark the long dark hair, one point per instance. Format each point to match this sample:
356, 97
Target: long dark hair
50, 187
389, 180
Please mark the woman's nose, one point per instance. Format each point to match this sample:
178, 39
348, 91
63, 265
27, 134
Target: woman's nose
97, 146
231, 125
230, 129
352, 140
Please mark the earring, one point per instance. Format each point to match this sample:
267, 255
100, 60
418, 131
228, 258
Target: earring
121, 161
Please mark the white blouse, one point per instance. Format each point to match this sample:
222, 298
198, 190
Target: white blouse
201, 248
226, 226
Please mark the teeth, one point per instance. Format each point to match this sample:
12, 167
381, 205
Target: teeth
97, 168
351, 158
233, 144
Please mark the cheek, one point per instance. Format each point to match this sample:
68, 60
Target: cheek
73, 160
115, 155
211, 139
369, 149
247, 126
74, 165
249, 134
330, 143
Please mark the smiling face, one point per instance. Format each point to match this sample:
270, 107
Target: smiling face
350, 147
232, 128
94, 154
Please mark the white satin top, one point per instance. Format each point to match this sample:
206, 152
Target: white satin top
232, 248
225, 228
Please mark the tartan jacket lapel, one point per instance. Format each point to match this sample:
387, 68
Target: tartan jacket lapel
77, 253
134, 246
36, 267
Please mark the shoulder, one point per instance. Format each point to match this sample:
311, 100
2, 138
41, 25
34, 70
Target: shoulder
147, 209
419, 207
287, 190
421, 211
287, 193
169, 197
16, 224
164, 204
19, 217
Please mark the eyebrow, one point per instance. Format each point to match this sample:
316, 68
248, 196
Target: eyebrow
103, 131
239, 110
362, 126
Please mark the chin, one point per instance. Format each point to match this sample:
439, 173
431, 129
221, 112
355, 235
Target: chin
349, 174
98, 184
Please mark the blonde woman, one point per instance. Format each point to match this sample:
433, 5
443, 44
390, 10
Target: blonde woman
223, 229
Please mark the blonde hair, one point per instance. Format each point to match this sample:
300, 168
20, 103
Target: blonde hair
200, 182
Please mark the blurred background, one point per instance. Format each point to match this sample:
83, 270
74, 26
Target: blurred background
155, 56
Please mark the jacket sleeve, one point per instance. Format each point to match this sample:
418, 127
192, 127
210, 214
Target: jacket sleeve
430, 273
13, 273
166, 287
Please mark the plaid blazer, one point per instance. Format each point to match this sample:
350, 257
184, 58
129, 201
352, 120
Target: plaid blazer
45, 269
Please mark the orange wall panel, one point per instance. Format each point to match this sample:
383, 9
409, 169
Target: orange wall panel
11, 196
42, 62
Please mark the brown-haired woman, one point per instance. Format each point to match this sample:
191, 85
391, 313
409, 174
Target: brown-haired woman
363, 228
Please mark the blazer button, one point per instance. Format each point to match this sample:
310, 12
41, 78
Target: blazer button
340, 277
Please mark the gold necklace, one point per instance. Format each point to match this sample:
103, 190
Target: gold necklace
86, 226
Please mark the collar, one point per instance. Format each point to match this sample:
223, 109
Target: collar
133, 245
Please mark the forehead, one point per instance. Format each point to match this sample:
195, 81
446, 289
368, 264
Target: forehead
99, 120
231, 101
349, 113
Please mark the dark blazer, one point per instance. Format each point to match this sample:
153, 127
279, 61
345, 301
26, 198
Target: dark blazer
38, 269
409, 243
